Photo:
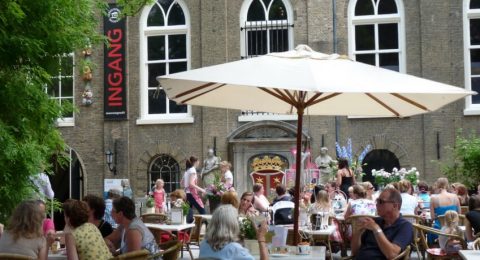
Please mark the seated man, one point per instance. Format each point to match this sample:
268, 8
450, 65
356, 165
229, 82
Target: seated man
386, 236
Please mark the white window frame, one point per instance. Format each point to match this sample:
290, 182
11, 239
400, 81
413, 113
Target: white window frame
259, 116
398, 18
65, 121
470, 108
145, 117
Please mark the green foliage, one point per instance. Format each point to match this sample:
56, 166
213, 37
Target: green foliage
247, 229
31, 33
465, 164
150, 203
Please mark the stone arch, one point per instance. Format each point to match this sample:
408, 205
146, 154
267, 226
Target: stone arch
259, 129
146, 158
383, 142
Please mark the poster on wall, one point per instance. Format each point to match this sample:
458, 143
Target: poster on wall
115, 87
118, 186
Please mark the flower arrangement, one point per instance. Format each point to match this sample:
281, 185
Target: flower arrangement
216, 189
354, 161
383, 177
247, 230
181, 204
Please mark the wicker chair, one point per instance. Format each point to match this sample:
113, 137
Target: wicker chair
8, 256
405, 255
154, 218
416, 244
476, 244
437, 253
171, 250
464, 210
134, 255
461, 220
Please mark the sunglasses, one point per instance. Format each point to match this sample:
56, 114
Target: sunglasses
381, 202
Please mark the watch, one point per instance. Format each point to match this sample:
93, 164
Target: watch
378, 230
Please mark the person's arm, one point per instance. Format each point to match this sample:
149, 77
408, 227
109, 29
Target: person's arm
458, 206
113, 240
191, 183
433, 203
354, 180
262, 244
133, 239
70, 246
348, 212
388, 248
355, 242
259, 205
339, 178
468, 230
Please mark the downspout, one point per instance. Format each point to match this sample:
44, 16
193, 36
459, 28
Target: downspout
334, 35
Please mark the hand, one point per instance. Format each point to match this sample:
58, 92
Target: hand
50, 236
262, 230
368, 223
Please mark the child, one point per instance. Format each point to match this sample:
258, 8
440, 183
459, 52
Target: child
451, 227
159, 196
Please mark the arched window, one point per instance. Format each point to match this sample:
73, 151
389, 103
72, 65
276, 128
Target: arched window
471, 40
376, 33
165, 167
164, 49
266, 26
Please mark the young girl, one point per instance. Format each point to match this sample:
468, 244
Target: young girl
159, 196
192, 189
451, 227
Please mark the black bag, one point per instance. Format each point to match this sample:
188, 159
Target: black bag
283, 216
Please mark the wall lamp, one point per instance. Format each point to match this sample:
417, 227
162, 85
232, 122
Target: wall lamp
111, 158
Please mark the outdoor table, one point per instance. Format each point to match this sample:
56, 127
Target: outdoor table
322, 235
469, 254
171, 228
206, 217
317, 253
60, 255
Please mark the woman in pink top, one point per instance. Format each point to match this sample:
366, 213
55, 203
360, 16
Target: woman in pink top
48, 226
159, 196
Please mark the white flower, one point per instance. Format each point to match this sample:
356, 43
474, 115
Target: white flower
178, 203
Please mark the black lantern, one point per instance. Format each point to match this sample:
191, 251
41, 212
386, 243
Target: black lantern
111, 158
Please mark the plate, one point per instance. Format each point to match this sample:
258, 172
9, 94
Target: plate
279, 255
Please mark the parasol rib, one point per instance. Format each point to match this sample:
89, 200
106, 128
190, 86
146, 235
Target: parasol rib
410, 101
286, 95
194, 89
383, 104
312, 99
313, 102
200, 94
281, 97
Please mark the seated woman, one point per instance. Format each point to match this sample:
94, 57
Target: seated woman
409, 202
451, 227
261, 202
24, 234
96, 211
48, 225
246, 208
221, 239
472, 226
360, 205
83, 240
131, 234
230, 197
462, 194
441, 203
423, 196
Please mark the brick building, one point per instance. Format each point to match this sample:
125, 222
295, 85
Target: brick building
433, 39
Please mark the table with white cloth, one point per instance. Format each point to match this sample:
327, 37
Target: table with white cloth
469, 254
322, 235
171, 228
317, 253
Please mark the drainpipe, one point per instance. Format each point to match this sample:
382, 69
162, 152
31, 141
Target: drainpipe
334, 35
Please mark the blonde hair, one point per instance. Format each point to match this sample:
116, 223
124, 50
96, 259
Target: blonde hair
322, 199
226, 164
230, 197
442, 183
359, 191
223, 228
26, 221
404, 185
158, 181
451, 221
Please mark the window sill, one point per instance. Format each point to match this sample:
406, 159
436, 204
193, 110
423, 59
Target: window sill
68, 122
471, 111
163, 121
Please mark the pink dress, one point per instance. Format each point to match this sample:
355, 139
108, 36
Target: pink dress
159, 196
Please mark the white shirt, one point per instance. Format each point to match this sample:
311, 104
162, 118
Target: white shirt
43, 184
186, 179
229, 176
409, 203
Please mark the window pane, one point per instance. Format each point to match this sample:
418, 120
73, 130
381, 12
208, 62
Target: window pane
257, 42
364, 7
156, 47
387, 7
256, 12
474, 31
52, 66
389, 61
157, 101
67, 87
475, 62
174, 108
155, 17
176, 16
52, 89
474, 4
155, 70
366, 58
365, 37
177, 67
277, 11
388, 36
67, 108
67, 65
278, 40
165, 4
476, 87
177, 46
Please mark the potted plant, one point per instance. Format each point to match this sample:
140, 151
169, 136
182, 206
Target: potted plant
150, 204
181, 205
248, 235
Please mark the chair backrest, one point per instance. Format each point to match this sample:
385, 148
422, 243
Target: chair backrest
155, 218
461, 220
414, 219
282, 212
142, 254
405, 255
195, 235
170, 253
476, 244
424, 230
463, 210
353, 220
8, 256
